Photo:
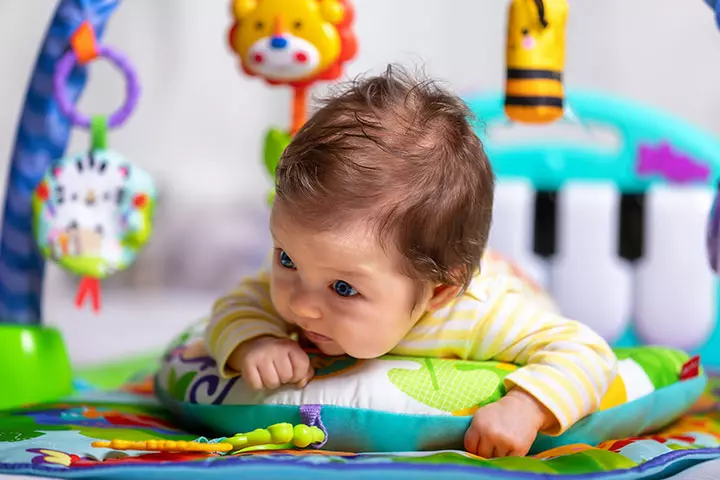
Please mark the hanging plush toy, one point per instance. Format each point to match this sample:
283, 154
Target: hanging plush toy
294, 43
93, 211
712, 236
535, 58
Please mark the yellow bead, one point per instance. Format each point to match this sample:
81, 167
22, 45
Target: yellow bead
317, 434
280, 433
302, 437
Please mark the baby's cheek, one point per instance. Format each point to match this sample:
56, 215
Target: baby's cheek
369, 335
279, 294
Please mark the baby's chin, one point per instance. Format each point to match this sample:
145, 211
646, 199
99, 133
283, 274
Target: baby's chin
333, 349
360, 354
330, 349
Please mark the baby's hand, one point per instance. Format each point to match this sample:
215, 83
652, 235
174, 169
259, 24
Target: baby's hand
268, 362
507, 427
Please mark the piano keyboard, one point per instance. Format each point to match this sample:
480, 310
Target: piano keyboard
676, 295
512, 229
620, 263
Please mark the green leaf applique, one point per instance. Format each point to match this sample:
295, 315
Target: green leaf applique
455, 386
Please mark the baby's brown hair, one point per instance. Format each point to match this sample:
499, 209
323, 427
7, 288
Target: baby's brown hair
401, 152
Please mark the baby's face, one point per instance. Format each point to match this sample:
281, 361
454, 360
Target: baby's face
347, 295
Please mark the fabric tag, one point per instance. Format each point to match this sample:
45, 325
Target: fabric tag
691, 368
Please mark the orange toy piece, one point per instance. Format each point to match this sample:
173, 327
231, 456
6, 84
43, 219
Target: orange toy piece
294, 43
84, 43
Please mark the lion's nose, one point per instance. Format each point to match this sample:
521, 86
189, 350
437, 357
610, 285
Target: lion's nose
278, 43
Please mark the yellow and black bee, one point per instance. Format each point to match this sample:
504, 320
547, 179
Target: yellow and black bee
535, 58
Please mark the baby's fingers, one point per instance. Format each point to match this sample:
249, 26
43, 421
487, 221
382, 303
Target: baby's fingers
302, 369
299, 359
472, 440
269, 375
284, 368
501, 450
305, 379
252, 378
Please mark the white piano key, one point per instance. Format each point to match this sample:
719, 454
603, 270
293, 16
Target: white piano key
513, 223
675, 291
590, 281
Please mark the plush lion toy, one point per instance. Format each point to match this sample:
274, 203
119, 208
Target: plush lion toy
293, 42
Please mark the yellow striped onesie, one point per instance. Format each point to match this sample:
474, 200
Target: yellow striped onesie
502, 316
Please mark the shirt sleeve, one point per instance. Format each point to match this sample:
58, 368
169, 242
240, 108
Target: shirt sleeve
244, 313
566, 366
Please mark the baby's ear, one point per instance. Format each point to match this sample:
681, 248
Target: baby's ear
442, 295
241, 8
332, 11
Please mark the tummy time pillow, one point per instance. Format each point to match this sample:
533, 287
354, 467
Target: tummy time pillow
407, 403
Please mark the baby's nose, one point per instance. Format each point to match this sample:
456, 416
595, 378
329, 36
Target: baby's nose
278, 43
304, 308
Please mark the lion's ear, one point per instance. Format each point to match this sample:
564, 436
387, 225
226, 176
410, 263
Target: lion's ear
242, 8
332, 11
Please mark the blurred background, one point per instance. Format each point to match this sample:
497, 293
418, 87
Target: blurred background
200, 123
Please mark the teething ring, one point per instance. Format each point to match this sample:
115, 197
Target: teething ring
132, 87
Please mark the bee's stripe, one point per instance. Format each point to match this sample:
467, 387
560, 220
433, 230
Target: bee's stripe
527, 74
542, 88
534, 101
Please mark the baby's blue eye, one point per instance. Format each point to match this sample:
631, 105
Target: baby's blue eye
286, 261
344, 289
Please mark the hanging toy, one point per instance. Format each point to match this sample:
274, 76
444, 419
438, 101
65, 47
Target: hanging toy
93, 211
535, 58
294, 43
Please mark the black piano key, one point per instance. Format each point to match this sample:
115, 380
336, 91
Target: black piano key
632, 215
545, 231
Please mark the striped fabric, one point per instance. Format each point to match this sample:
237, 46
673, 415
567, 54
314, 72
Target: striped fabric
41, 137
503, 316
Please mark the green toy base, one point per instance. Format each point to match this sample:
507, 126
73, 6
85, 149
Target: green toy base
34, 365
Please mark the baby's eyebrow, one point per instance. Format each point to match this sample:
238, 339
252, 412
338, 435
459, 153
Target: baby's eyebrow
360, 273
272, 234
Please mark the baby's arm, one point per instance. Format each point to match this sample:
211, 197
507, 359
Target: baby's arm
567, 368
247, 336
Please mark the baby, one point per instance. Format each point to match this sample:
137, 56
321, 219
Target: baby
380, 224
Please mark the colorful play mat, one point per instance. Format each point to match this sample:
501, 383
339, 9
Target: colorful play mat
117, 402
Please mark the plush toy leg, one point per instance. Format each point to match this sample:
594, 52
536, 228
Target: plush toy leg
34, 365
276, 141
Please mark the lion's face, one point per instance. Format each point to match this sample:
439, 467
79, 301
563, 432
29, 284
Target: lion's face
286, 40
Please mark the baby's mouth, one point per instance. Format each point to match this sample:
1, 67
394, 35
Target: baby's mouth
316, 337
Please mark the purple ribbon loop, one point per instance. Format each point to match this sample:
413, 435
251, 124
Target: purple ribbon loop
310, 415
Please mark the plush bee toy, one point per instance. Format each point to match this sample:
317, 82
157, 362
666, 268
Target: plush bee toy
535, 58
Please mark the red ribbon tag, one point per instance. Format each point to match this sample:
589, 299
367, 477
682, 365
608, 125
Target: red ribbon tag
691, 368
88, 286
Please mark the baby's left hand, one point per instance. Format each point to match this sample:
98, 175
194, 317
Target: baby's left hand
507, 427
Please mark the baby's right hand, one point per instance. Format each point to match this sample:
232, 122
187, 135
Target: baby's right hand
268, 362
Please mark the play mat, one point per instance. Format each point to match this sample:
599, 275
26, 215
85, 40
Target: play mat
117, 402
